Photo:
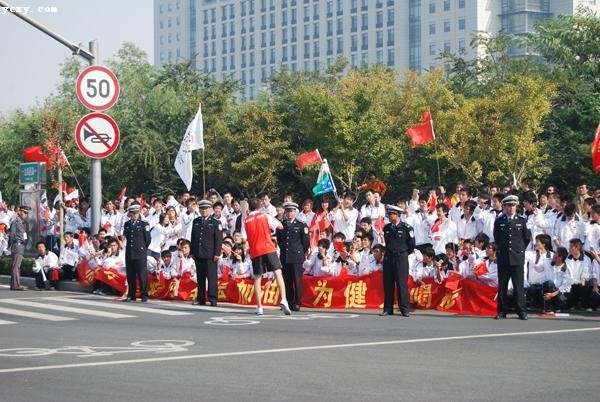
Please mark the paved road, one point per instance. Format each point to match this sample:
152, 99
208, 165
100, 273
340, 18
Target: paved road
59, 346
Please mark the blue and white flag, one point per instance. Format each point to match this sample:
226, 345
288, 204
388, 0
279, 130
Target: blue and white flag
192, 140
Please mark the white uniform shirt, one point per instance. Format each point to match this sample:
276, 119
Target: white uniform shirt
347, 227
580, 268
367, 263
592, 236
186, 220
537, 225
313, 266
447, 233
421, 271
466, 229
540, 271
563, 278
69, 255
305, 218
565, 230
422, 224
184, 265
242, 269
47, 261
373, 212
115, 262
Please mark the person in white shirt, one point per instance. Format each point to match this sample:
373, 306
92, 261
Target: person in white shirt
485, 215
69, 257
115, 259
109, 218
379, 254
425, 268
345, 216
442, 268
467, 225
218, 215
592, 231
452, 254
226, 258
153, 217
580, 266
372, 209
241, 266
343, 260
563, 280
188, 217
568, 227
367, 262
422, 221
540, 271
176, 229
489, 275
443, 230
158, 236
166, 265
307, 215
318, 260
45, 268
265, 204
456, 212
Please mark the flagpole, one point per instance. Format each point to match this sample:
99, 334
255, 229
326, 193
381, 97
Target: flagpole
437, 160
203, 176
62, 207
77, 181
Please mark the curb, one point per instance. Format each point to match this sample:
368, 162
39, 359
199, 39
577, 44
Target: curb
62, 285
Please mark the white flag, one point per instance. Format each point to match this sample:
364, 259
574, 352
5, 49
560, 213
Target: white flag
192, 140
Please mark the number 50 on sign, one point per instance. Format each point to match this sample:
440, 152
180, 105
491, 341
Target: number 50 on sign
97, 88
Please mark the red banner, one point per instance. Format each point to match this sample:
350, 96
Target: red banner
454, 295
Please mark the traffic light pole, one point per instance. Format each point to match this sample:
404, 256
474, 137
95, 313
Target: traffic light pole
91, 56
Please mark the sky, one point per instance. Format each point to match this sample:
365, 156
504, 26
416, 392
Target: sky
30, 60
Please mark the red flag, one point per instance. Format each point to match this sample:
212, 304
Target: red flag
422, 133
379, 223
339, 246
226, 271
82, 239
452, 281
122, 194
35, 154
596, 151
308, 158
55, 275
431, 203
481, 269
142, 201
436, 226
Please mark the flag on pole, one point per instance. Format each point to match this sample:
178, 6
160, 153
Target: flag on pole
308, 158
596, 151
324, 181
35, 154
422, 133
122, 195
192, 140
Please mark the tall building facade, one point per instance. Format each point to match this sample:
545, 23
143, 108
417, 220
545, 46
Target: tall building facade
248, 40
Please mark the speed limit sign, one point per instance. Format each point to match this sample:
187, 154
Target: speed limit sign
97, 88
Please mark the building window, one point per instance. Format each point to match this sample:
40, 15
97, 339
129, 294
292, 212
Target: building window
391, 37
306, 31
294, 36
329, 8
354, 61
340, 7
316, 30
432, 49
390, 16
316, 49
340, 26
462, 24
329, 27
162, 10
329, 46
284, 54
294, 52
317, 64
306, 13
447, 47
432, 28
294, 16
447, 26
379, 39
353, 23
431, 6
316, 12
462, 45
263, 57
461, 3
365, 22
353, 6
340, 45
446, 5
272, 38
353, 43
379, 19
365, 41
380, 56
306, 50
391, 57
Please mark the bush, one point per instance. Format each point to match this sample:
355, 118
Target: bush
6, 263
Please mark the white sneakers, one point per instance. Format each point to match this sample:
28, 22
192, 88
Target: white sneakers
259, 311
285, 307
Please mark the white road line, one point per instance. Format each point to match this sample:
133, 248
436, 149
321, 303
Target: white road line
2, 322
75, 310
297, 349
31, 314
122, 306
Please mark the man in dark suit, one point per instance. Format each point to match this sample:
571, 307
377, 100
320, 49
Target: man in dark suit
207, 239
137, 235
512, 237
293, 243
399, 242
17, 240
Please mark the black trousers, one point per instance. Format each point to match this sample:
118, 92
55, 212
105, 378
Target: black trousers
395, 274
506, 273
580, 294
292, 276
39, 279
206, 268
535, 294
137, 268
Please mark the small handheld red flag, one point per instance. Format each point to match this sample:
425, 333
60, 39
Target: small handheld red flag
308, 158
481, 269
379, 223
339, 246
596, 151
452, 281
422, 133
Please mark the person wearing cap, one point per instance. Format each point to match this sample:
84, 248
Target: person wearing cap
399, 242
512, 236
207, 239
137, 235
17, 240
293, 243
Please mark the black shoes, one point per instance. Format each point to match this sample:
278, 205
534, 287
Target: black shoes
213, 304
386, 313
144, 299
500, 316
295, 307
128, 299
405, 313
523, 316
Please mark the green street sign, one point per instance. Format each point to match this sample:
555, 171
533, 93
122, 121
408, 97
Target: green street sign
32, 173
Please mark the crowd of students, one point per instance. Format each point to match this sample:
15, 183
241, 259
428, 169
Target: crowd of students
452, 234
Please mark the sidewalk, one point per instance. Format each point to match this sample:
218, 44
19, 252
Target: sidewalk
62, 285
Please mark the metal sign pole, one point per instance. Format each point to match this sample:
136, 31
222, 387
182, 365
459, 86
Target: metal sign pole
95, 168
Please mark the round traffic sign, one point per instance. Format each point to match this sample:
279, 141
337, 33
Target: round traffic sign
97, 88
97, 135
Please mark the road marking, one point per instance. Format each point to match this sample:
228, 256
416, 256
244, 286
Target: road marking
75, 310
122, 306
202, 308
31, 314
2, 322
297, 349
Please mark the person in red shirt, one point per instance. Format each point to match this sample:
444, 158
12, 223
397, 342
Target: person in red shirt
373, 183
257, 230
